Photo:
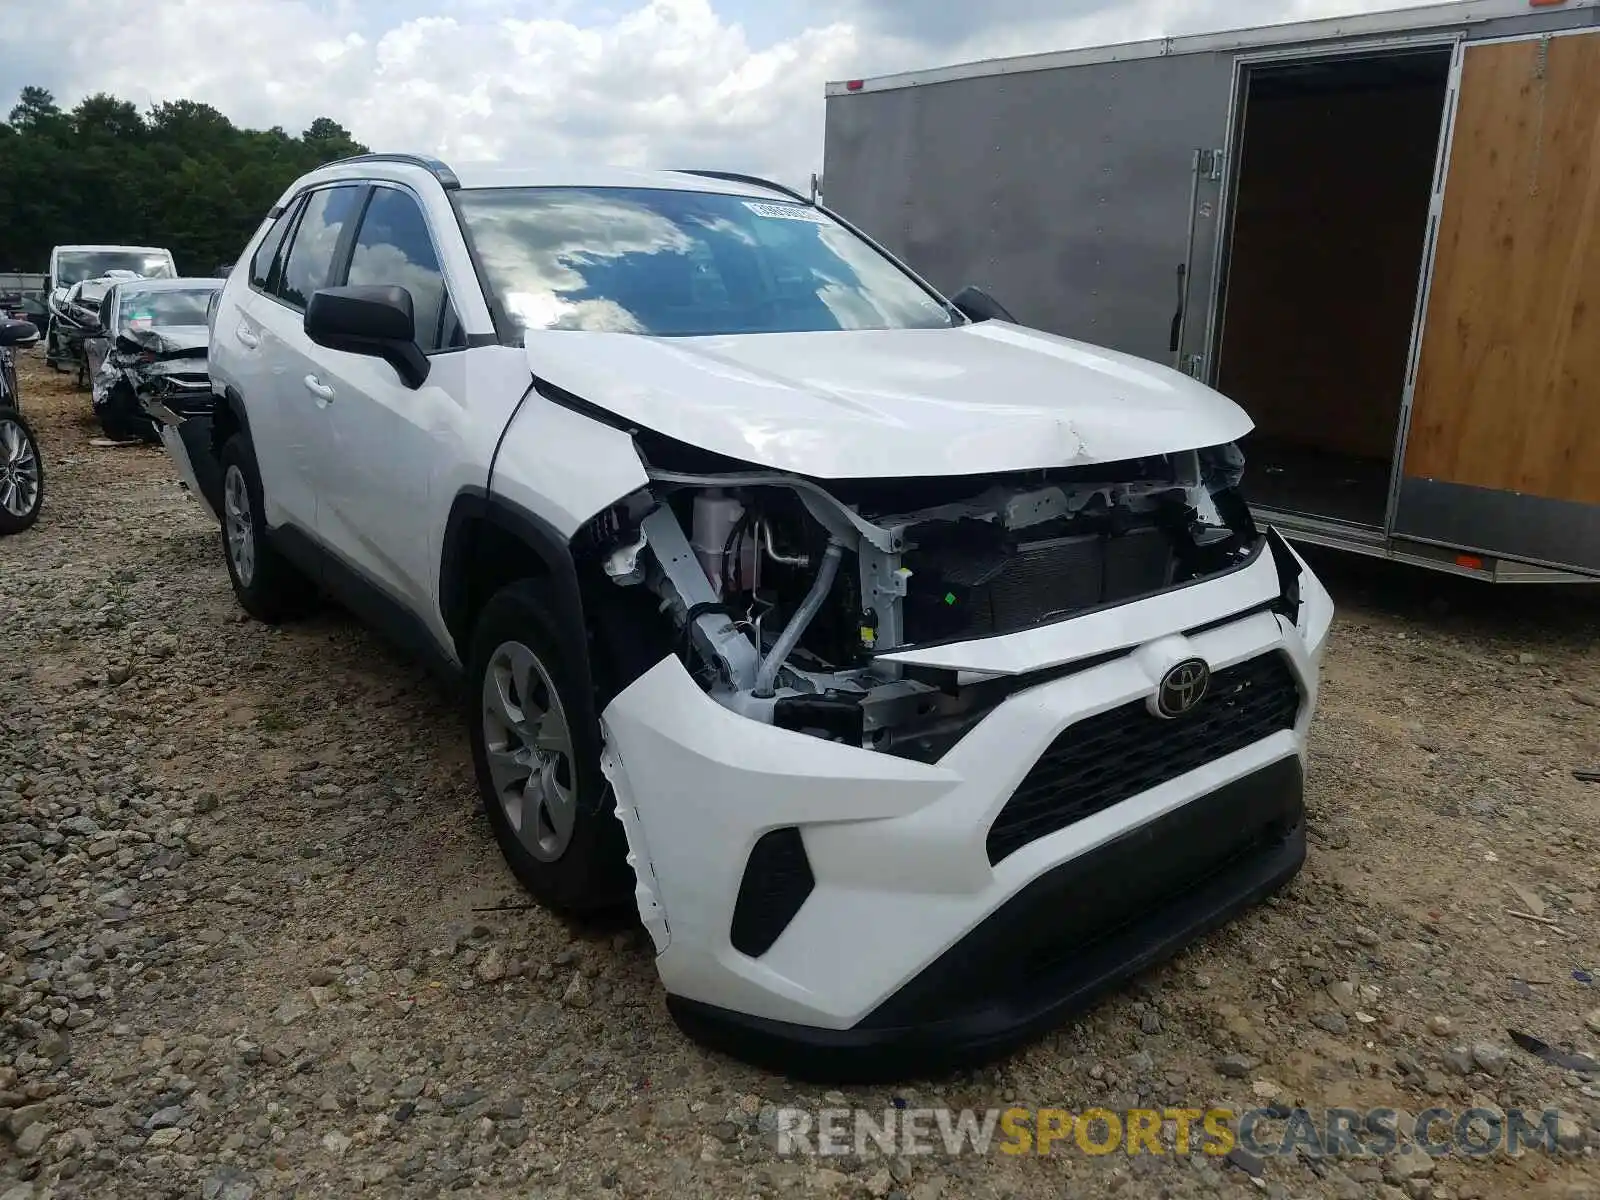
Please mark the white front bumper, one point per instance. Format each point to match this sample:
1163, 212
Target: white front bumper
898, 848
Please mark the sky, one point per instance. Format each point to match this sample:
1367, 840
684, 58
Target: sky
727, 84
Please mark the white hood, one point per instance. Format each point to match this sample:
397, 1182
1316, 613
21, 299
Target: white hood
976, 399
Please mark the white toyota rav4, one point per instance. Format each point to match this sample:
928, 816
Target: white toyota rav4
916, 674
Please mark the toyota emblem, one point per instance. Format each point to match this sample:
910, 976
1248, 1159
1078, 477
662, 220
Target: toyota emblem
1183, 688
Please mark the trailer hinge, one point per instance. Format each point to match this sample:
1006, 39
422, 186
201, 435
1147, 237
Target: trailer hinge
1211, 162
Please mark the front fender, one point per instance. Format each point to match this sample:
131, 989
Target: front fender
561, 465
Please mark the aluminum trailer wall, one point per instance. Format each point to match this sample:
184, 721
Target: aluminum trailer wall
1073, 186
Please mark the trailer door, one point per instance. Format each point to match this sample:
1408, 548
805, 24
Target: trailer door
1084, 197
1503, 450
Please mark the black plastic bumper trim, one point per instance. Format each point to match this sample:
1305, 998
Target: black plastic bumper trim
777, 881
1075, 933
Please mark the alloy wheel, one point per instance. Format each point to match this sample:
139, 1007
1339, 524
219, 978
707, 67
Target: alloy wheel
240, 532
19, 470
528, 742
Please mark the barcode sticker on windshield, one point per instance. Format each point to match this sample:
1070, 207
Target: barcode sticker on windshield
786, 212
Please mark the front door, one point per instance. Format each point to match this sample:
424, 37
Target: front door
1503, 452
385, 442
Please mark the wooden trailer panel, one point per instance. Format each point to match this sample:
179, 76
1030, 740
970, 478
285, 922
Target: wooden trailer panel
1503, 451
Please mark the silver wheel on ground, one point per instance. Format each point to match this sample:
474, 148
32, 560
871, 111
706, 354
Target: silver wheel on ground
19, 469
236, 522
529, 749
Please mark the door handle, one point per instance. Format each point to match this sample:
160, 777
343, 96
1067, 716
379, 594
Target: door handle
244, 335
317, 388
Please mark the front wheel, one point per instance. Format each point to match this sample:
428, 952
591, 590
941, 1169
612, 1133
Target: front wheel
21, 473
538, 761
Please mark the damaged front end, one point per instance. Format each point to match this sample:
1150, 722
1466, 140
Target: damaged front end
916, 766
155, 384
162, 375
74, 318
798, 604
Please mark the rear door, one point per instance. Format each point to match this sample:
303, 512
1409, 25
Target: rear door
1503, 450
278, 382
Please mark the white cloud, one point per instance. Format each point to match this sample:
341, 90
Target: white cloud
633, 82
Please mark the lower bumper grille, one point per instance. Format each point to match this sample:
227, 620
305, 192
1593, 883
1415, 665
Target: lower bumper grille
1106, 759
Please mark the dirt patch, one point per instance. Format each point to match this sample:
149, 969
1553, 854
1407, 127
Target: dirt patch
242, 875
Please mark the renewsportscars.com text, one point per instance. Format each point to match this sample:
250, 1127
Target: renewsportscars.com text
1334, 1133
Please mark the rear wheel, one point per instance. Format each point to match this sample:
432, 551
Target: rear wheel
538, 762
269, 587
21, 473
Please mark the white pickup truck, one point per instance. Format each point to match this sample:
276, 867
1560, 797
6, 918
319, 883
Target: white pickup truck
72, 265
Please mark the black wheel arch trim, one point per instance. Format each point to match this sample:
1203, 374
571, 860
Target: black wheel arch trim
474, 505
232, 400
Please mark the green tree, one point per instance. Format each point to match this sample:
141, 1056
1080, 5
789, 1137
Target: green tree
181, 176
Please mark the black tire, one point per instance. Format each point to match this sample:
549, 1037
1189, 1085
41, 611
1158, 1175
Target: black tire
121, 419
272, 589
20, 464
589, 877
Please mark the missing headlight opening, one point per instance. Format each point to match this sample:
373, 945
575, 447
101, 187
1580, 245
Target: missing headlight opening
787, 594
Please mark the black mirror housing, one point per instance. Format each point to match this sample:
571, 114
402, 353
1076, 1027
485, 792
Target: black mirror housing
977, 305
376, 320
18, 333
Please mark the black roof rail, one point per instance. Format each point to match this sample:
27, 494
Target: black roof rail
439, 170
753, 180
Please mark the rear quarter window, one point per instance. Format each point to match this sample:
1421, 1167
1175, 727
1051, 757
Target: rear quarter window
266, 257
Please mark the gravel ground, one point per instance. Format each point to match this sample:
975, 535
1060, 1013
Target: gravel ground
244, 945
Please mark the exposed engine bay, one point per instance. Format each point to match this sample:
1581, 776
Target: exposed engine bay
788, 596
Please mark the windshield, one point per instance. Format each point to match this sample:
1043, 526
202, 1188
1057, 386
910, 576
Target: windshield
677, 263
78, 265
165, 307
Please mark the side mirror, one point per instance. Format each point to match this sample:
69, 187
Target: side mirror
977, 305
18, 333
372, 319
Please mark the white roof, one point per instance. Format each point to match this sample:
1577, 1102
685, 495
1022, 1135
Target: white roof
499, 175
1457, 14
186, 284
487, 175
134, 249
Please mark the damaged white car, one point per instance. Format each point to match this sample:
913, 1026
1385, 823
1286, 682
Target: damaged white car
917, 676
148, 351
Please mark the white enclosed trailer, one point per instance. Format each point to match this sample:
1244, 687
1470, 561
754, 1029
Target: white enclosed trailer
1380, 234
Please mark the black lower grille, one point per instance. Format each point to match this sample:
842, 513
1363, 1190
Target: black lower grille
777, 880
1112, 757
